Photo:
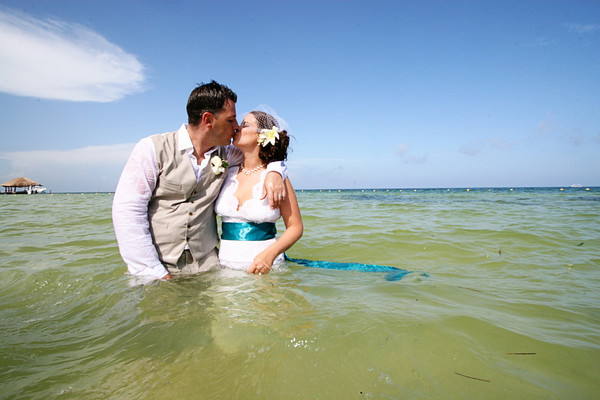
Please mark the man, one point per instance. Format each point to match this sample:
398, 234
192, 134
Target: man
163, 206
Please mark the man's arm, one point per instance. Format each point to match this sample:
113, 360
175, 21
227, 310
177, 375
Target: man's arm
274, 186
130, 212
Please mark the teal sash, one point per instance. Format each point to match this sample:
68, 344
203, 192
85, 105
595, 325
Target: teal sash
251, 231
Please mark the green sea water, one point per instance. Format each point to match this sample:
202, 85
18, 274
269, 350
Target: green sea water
503, 303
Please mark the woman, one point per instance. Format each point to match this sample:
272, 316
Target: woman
248, 240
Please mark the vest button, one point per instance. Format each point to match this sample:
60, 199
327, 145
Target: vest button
191, 213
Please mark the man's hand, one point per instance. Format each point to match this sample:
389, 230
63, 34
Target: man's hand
167, 277
275, 189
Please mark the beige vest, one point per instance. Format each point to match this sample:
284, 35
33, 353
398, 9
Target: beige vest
181, 210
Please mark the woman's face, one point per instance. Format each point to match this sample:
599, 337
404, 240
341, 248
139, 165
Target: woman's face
248, 134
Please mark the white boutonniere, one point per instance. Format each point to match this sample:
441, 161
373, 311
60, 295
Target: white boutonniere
218, 165
268, 136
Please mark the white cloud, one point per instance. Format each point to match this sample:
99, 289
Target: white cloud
582, 29
412, 159
87, 169
61, 60
402, 149
476, 147
540, 42
472, 148
576, 140
501, 144
403, 152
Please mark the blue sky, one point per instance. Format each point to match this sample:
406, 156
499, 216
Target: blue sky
377, 94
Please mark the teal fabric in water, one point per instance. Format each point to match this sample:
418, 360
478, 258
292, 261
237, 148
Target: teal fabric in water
394, 274
250, 231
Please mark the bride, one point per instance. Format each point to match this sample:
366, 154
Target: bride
248, 240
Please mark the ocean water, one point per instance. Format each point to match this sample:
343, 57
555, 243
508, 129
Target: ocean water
503, 303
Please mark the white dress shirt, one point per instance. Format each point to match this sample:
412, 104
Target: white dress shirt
134, 191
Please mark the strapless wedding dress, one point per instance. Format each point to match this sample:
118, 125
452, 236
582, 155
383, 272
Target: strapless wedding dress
239, 253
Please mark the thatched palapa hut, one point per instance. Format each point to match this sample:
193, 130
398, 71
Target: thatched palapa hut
30, 186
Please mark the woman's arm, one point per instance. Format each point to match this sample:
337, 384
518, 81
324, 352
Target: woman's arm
290, 211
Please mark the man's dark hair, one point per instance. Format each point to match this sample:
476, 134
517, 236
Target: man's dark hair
208, 97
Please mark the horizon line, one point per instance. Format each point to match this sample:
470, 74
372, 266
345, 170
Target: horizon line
584, 187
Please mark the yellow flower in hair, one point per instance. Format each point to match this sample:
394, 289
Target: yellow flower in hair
268, 136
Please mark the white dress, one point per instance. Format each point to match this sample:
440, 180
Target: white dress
239, 254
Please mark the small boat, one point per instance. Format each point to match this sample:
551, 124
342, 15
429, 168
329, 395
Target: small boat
36, 189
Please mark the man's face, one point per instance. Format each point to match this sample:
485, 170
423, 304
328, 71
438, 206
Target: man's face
225, 124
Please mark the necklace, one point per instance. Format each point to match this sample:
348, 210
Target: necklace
251, 171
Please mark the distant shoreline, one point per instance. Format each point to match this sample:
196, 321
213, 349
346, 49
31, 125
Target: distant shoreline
472, 188
458, 188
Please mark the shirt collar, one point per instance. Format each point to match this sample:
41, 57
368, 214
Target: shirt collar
185, 143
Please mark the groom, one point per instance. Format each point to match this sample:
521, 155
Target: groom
163, 206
